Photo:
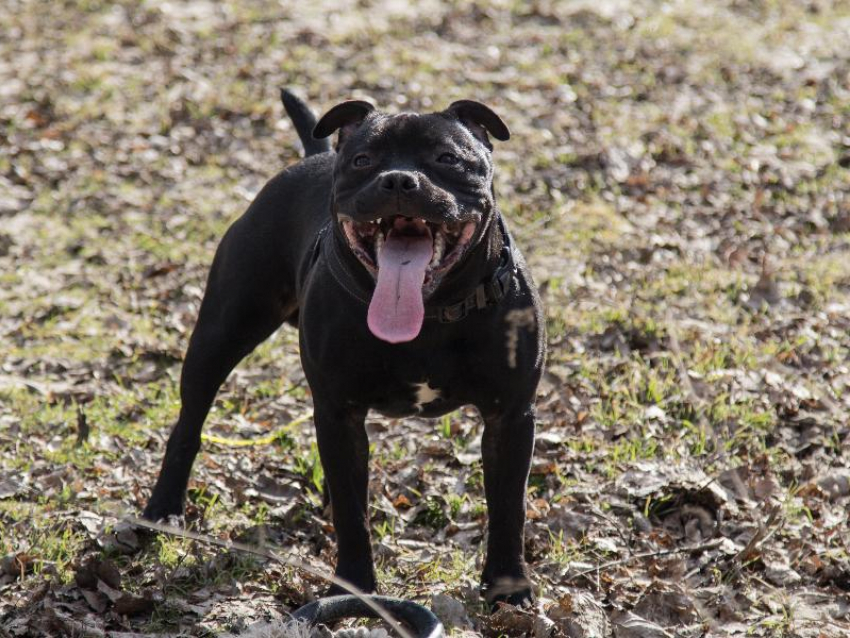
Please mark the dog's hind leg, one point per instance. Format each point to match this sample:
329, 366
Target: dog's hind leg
242, 306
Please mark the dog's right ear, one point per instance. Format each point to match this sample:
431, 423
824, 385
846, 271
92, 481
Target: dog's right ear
480, 119
345, 118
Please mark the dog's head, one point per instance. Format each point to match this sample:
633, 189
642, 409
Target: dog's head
411, 194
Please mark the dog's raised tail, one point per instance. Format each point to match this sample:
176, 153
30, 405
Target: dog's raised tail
304, 120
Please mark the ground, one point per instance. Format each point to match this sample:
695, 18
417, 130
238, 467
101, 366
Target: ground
678, 180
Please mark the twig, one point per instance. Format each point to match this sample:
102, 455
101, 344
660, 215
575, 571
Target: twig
764, 533
270, 555
676, 351
664, 552
71, 627
83, 429
614, 523
700, 404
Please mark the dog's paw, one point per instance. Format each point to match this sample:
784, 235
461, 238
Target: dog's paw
512, 591
161, 511
524, 599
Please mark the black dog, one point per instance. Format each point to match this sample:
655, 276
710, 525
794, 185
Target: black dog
390, 256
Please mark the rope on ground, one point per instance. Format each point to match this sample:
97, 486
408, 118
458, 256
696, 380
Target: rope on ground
263, 440
263, 552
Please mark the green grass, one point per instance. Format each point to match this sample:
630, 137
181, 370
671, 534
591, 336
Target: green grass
137, 144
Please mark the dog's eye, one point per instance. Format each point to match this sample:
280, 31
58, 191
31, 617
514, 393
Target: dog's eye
448, 158
361, 160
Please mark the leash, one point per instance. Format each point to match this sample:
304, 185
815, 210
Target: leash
420, 619
367, 605
263, 440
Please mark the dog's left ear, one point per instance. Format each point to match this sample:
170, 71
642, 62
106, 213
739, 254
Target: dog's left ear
480, 120
345, 117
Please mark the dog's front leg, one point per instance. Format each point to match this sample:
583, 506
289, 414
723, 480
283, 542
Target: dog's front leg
344, 450
506, 446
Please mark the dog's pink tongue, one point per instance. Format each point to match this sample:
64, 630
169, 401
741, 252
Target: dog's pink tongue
396, 311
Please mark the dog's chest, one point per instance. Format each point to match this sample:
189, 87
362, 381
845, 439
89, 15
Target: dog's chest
426, 397
423, 392
446, 367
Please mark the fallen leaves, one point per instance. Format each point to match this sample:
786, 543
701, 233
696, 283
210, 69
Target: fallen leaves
451, 612
677, 181
578, 615
630, 625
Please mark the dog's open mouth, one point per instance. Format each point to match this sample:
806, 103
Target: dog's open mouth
448, 241
407, 256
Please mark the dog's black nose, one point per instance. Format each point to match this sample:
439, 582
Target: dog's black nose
395, 181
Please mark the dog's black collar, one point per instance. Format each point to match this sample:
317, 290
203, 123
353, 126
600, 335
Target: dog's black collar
488, 293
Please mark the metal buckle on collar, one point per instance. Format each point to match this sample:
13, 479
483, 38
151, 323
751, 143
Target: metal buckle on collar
502, 283
480, 297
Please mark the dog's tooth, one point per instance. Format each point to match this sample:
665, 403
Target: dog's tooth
439, 247
379, 243
350, 233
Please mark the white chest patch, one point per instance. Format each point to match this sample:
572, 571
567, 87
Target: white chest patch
424, 395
